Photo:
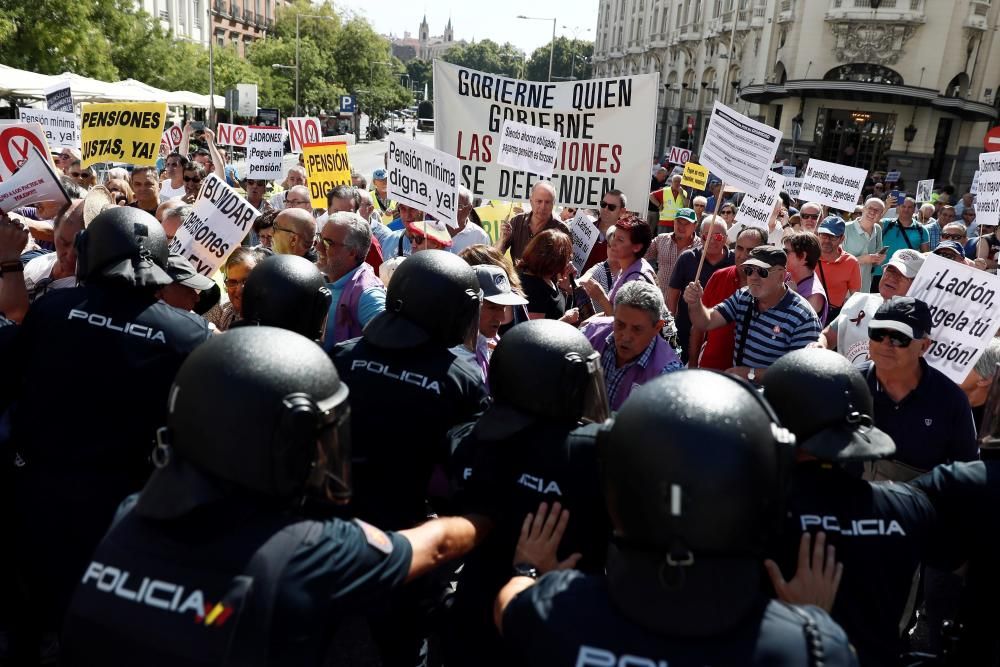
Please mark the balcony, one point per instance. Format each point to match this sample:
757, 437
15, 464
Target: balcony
616, 51
976, 19
636, 46
658, 40
757, 16
909, 12
691, 31
786, 11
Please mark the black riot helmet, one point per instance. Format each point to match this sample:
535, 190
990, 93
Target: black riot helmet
693, 467
433, 297
259, 408
289, 292
543, 369
825, 401
123, 245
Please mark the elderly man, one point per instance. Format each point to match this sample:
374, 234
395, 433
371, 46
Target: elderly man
666, 248
516, 234
54, 270
466, 234
810, 215
669, 201
294, 234
936, 227
926, 414
428, 235
348, 199
631, 348
358, 294
903, 232
771, 320
838, 270
863, 239
380, 194
977, 383
396, 243
298, 197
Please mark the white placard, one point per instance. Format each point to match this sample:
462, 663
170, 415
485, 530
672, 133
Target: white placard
227, 134
59, 97
925, 189
988, 199
16, 140
679, 155
989, 162
793, 186
62, 128
606, 127
584, 234
755, 210
424, 178
739, 150
974, 188
265, 148
303, 130
832, 184
36, 181
529, 148
788, 171
217, 225
171, 138
963, 302
892, 177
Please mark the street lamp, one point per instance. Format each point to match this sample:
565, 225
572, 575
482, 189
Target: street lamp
297, 19
552, 49
572, 49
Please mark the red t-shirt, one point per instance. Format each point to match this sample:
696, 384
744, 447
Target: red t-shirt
719, 343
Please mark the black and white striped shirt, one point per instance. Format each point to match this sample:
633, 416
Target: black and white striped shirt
789, 325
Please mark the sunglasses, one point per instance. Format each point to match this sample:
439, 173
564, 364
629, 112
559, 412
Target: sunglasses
718, 237
250, 181
896, 339
953, 237
727, 212
809, 216
417, 240
759, 270
188, 179
610, 207
328, 243
76, 174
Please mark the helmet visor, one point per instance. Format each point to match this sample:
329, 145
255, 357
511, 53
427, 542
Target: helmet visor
471, 330
330, 477
595, 396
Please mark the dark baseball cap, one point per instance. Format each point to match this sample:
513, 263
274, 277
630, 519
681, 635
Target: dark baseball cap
909, 316
832, 225
183, 272
951, 246
766, 256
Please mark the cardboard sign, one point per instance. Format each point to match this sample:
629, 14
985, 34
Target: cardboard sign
227, 134
171, 138
584, 234
793, 186
756, 210
127, 132
303, 130
36, 181
62, 129
424, 178
217, 225
832, 184
739, 150
327, 166
892, 177
491, 218
606, 126
924, 190
265, 149
989, 162
694, 176
988, 199
974, 188
532, 149
16, 140
59, 98
963, 301
679, 155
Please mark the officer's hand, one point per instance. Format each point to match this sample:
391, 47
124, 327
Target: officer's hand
540, 536
693, 293
816, 579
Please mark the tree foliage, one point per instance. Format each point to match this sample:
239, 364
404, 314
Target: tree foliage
537, 68
488, 56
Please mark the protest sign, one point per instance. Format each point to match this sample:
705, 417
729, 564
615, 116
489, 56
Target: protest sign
974, 188
327, 166
679, 155
265, 148
62, 129
793, 186
16, 140
227, 134
424, 178
989, 162
694, 176
491, 219
963, 303
127, 132
788, 171
303, 130
217, 225
924, 190
171, 139
36, 181
832, 184
739, 150
755, 210
892, 177
59, 97
584, 233
529, 148
606, 126
988, 199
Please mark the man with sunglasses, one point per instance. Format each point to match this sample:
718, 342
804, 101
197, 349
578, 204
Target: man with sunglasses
612, 208
771, 320
255, 189
295, 234
987, 247
810, 215
926, 414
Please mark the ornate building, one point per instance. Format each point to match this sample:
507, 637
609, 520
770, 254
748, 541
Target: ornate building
235, 22
879, 84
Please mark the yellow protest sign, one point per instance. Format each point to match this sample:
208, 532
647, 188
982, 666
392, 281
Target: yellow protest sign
127, 132
695, 176
492, 217
327, 166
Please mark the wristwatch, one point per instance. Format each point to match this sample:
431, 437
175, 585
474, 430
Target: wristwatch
12, 266
752, 375
525, 570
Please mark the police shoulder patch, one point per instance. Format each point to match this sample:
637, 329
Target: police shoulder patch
375, 537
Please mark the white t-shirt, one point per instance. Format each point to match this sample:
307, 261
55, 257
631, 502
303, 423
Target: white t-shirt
852, 327
168, 191
470, 236
38, 270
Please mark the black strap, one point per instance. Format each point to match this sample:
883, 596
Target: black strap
607, 271
742, 342
903, 230
822, 279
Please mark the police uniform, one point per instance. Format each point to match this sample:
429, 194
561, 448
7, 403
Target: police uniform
568, 618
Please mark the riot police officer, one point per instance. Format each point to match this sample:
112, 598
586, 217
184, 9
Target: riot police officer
92, 367
528, 447
212, 563
691, 470
880, 531
289, 292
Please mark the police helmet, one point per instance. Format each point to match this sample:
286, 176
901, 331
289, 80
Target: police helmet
543, 369
434, 297
289, 292
260, 408
692, 468
825, 401
125, 245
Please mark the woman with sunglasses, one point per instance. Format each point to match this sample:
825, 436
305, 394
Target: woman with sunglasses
544, 263
236, 270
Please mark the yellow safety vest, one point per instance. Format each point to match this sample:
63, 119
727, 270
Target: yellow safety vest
671, 204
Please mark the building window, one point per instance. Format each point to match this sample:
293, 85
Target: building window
864, 73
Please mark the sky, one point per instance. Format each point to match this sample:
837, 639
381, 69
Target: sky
482, 20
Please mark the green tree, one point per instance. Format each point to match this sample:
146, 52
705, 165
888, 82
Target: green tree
537, 68
421, 73
487, 56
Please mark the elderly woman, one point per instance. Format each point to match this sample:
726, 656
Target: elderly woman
236, 270
628, 247
545, 261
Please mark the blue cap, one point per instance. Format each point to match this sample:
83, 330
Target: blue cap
953, 246
378, 175
832, 225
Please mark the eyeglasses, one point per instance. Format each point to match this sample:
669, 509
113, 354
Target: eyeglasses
699, 206
809, 216
417, 240
328, 243
727, 212
253, 182
896, 339
296, 202
76, 174
759, 270
282, 229
610, 207
233, 283
953, 237
188, 179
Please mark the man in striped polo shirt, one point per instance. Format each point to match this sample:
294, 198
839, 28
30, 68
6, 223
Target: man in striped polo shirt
771, 320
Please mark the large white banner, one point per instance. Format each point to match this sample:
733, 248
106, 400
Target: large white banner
606, 127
